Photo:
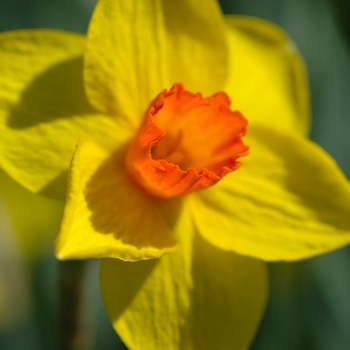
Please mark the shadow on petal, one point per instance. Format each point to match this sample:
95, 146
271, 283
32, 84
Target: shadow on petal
311, 176
120, 207
200, 297
121, 281
56, 187
228, 298
56, 93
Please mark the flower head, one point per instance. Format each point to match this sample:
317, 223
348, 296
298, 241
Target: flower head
152, 176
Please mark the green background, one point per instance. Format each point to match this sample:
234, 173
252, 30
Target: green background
309, 307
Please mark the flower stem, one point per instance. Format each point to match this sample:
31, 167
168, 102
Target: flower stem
70, 328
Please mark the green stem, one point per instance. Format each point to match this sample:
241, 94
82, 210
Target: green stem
70, 329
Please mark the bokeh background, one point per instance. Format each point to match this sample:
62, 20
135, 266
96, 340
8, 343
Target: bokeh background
309, 306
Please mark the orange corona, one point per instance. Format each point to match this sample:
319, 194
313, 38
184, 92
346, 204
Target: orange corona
186, 143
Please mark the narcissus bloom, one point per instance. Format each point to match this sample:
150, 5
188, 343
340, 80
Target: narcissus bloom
153, 173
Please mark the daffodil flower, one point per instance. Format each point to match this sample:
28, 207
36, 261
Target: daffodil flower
153, 174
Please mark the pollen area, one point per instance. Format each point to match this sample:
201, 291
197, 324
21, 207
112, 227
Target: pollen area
186, 143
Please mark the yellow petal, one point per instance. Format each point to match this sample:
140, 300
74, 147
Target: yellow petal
288, 201
197, 298
267, 80
137, 48
43, 108
35, 219
108, 216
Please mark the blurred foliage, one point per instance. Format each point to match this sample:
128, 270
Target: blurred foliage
342, 8
309, 307
70, 15
14, 292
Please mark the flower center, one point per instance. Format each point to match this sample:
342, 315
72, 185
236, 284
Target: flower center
186, 143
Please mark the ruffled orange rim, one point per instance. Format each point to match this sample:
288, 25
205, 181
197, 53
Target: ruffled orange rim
186, 143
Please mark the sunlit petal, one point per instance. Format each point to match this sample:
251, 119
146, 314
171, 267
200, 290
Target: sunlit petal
288, 201
127, 65
106, 215
267, 81
197, 298
43, 108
